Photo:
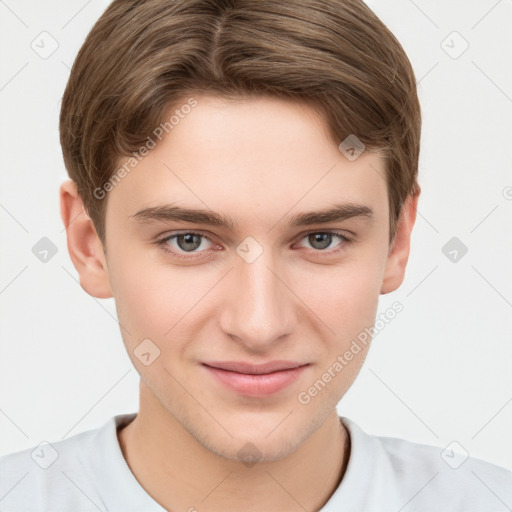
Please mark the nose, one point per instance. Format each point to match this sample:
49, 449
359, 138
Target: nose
258, 310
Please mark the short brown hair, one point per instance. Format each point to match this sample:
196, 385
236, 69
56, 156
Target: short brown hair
142, 58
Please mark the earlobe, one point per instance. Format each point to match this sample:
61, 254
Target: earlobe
399, 254
84, 246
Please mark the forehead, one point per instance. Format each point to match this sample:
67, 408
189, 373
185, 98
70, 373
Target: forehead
250, 156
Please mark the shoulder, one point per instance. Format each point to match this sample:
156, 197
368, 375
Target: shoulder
52, 475
424, 477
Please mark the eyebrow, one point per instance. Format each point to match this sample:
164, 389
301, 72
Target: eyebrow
165, 213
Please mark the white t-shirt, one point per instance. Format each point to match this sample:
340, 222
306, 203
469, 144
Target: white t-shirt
87, 472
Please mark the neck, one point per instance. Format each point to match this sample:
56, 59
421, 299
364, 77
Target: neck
181, 474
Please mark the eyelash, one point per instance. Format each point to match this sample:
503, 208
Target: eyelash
163, 242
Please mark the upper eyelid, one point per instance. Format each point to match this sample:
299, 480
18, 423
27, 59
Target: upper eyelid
184, 232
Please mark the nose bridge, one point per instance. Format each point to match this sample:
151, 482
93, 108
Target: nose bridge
259, 309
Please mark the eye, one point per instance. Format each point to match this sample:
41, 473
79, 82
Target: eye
183, 243
321, 240
190, 244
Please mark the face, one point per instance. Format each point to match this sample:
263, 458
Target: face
263, 283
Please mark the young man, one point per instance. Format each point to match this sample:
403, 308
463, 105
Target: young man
244, 184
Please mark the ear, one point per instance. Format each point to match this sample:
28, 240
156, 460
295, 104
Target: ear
398, 256
84, 246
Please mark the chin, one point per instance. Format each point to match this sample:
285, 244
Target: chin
266, 440
250, 451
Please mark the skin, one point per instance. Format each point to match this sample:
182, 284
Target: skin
259, 161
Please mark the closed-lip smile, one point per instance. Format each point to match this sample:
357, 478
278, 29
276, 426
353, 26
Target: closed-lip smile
255, 380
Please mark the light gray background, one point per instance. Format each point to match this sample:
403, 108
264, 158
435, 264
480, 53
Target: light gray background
439, 372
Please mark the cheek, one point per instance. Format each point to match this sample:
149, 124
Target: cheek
156, 301
347, 303
345, 297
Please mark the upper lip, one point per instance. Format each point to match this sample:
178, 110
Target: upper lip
254, 369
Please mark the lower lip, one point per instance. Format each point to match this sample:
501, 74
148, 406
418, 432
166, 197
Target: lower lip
257, 385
